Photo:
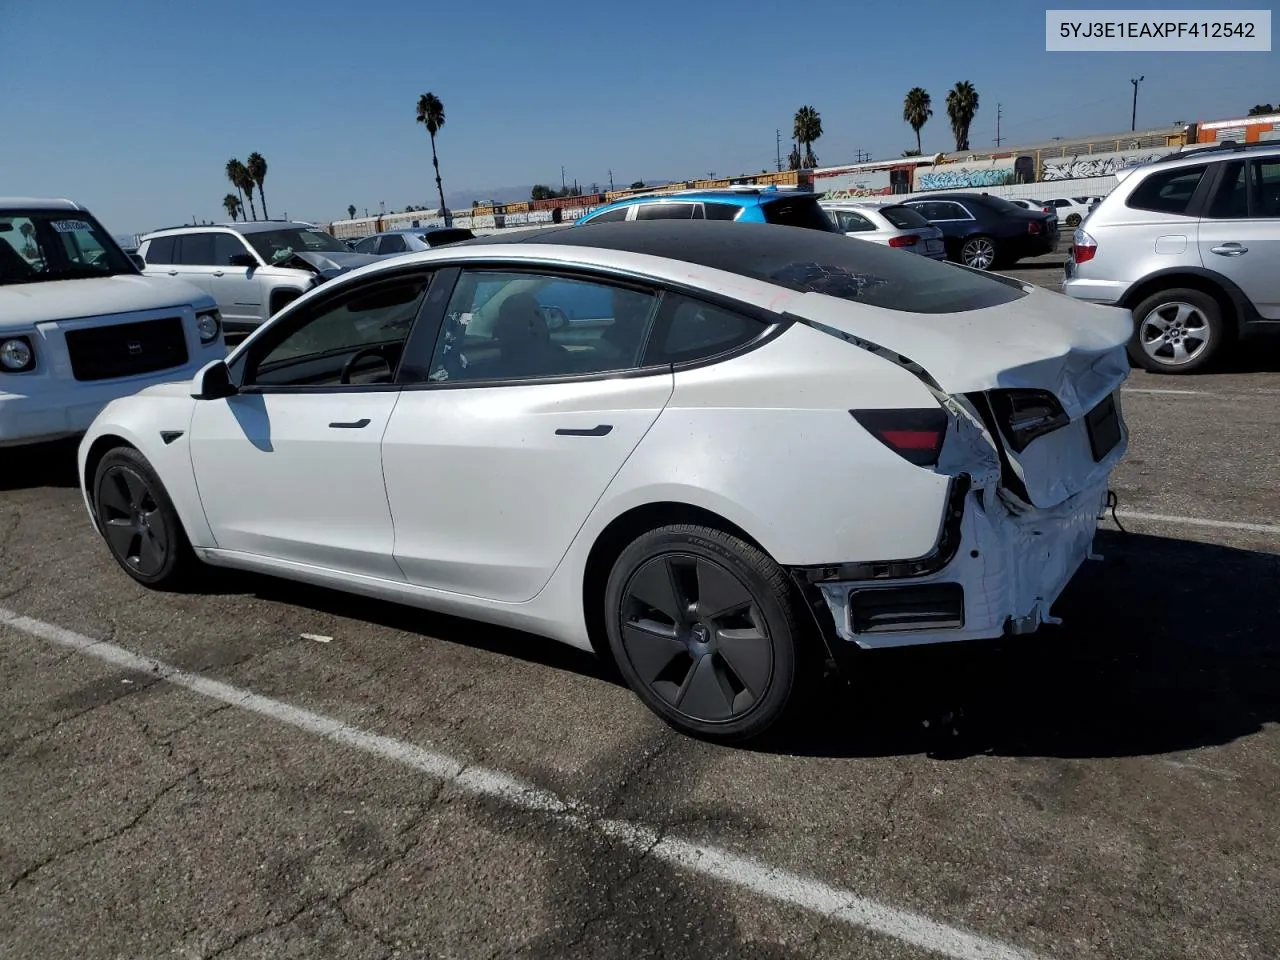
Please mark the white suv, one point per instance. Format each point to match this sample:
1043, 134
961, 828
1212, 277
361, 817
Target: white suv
251, 269
80, 326
1190, 244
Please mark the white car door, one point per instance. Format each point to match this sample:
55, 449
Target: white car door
234, 282
290, 467
1239, 234
496, 457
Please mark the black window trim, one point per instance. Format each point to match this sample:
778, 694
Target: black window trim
426, 329
239, 364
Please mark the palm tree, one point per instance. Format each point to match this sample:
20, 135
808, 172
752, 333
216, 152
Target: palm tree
351, 211
232, 205
256, 167
431, 114
807, 128
916, 109
962, 104
236, 174
247, 186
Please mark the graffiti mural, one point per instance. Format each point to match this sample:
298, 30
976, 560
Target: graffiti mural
851, 184
1086, 165
961, 177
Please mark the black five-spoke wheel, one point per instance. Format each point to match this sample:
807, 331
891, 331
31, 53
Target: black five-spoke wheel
138, 521
704, 628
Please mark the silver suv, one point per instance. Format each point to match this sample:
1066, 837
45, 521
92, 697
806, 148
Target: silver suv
1191, 245
251, 269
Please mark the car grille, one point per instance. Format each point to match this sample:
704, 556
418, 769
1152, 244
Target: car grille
126, 349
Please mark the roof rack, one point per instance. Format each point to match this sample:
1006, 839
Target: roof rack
1223, 146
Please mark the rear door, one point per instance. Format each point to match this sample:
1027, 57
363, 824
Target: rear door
1239, 233
507, 433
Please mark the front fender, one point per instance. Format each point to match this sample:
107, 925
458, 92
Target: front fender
157, 425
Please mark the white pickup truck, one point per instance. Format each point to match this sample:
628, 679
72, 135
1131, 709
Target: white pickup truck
80, 325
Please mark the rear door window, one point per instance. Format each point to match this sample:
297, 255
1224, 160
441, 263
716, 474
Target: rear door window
618, 213
668, 211
392, 243
1167, 191
1231, 202
196, 250
1266, 189
721, 211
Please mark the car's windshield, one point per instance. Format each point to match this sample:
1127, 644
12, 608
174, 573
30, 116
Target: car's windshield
798, 212
277, 245
40, 245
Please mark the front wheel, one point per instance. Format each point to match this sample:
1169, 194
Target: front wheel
979, 253
1177, 331
139, 522
706, 629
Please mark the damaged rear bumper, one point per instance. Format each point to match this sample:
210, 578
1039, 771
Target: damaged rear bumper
997, 570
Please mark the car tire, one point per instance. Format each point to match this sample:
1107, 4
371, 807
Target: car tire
680, 598
1073, 220
1166, 322
138, 521
979, 252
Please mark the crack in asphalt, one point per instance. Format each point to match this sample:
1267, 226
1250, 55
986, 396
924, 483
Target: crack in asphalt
110, 835
905, 782
10, 749
338, 900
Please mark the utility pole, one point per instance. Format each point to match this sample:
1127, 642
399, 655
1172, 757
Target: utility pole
778, 139
999, 114
611, 181
1133, 122
562, 178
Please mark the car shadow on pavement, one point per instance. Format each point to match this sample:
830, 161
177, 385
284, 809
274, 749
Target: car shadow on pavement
40, 465
1167, 645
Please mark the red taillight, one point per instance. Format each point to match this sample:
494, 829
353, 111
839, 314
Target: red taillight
1083, 247
909, 240
1034, 226
914, 435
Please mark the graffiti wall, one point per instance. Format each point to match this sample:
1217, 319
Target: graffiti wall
966, 176
851, 183
1096, 164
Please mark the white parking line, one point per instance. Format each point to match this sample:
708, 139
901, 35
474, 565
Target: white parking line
773, 883
1269, 528
1175, 393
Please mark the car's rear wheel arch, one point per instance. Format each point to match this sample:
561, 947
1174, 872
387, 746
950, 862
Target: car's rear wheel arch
618, 535
1193, 281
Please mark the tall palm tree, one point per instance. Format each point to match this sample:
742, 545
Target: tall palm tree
431, 115
962, 104
232, 205
806, 128
351, 211
917, 108
256, 167
236, 174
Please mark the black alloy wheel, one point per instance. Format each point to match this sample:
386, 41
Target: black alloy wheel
138, 520
705, 629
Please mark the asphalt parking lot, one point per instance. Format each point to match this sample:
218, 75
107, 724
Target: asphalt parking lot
190, 776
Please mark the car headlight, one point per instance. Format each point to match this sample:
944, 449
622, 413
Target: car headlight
16, 355
209, 324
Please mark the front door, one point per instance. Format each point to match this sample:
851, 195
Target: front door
496, 457
239, 289
290, 467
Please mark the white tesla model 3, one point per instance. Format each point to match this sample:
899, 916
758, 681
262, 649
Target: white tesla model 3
716, 452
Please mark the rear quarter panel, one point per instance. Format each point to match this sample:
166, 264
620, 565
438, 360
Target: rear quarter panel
766, 440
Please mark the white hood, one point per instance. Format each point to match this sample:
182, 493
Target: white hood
26, 304
1043, 340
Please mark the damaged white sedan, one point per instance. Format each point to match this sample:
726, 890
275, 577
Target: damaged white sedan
715, 453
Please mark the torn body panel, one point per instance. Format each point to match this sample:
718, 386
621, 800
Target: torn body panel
1011, 564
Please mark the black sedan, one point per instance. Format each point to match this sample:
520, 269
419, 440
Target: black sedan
985, 232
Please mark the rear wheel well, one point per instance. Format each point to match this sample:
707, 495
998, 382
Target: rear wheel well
614, 538
282, 298
1190, 281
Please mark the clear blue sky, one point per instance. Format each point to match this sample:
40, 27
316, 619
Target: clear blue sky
134, 107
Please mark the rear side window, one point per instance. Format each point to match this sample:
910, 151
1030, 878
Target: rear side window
1167, 191
798, 212
1266, 184
721, 211
904, 218
618, 213
689, 330
668, 211
392, 243
159, 250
